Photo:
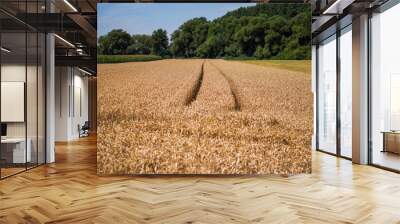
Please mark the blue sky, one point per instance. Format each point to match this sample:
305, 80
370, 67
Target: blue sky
143, 18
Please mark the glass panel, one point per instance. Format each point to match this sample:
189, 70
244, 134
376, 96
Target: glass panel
32, 90
16, 8
385, 92
346, 92
31, 100
2, 158
13, 89
327, 95
22, 88
41, 99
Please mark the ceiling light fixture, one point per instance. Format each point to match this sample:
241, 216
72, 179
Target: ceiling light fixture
5, 50
337, 7
86, 72
79, 51
64, 40
70, 5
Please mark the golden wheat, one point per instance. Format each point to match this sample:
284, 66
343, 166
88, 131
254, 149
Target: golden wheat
203, 117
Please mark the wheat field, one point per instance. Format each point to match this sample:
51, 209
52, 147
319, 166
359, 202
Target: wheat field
198, 116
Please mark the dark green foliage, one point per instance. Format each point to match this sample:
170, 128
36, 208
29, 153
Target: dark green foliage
159, 43
115, 42
240, 58
285, 10
190, 35
140, 44
264, 31
102, 59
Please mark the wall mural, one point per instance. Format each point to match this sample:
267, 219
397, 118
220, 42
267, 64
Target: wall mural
214, 89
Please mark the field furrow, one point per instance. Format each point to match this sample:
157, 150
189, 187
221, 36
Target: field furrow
280, 94
142, 87
194, 90
233, 89
215, 93
186, 93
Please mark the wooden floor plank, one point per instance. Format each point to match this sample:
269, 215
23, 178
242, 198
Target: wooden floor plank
69, 191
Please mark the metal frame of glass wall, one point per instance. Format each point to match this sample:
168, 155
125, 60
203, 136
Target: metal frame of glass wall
28, 57
337, 38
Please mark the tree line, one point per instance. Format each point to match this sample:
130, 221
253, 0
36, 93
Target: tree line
263, 31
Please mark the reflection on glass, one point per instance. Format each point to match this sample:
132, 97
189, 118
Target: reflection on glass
385, 92
346, 93
31, 101
14, 153
395, 102
22, 87
41, 99
327, 95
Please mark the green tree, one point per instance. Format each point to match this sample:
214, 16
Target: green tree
140, 44
211, 48
189, 37
100, 46
115, 42
160, 42
233, 50
251, 35
265, 31
138, 48
262, 53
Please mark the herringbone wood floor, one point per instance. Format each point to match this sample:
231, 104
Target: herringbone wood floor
69, 191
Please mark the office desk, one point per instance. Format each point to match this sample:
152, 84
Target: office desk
13, 150
391, 141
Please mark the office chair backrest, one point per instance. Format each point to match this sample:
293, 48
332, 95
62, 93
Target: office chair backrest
86, 125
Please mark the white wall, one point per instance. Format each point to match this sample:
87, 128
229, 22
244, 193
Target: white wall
79, 117
62, 81
70, 83
12, 73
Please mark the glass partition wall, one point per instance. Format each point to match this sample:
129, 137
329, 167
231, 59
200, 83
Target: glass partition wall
334, 118
345, 89
334, 104
327, 95
22, 107
385, 89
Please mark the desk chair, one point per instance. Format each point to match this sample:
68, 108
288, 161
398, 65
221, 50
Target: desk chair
84, 130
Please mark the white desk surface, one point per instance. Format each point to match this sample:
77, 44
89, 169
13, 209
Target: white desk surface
13, 140
21, 154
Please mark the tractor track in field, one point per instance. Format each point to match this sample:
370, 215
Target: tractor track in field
232, 86
196, 88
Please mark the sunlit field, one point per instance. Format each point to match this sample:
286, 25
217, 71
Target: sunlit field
198, 116
292, 65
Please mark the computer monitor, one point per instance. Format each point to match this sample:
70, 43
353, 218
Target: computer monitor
3, 130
